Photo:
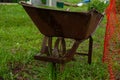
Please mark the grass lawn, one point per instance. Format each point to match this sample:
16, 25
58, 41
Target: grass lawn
20, 40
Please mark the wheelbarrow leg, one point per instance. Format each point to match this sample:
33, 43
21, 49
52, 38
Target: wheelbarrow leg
90, 50
44, 48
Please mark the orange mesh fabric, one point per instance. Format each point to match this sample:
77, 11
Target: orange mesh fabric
112, 42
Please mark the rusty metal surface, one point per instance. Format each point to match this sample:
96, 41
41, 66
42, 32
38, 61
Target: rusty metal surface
63, 24
76, 25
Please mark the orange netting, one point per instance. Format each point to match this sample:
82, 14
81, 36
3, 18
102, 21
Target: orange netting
112, 42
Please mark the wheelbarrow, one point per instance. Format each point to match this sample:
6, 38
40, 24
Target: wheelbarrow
63, 25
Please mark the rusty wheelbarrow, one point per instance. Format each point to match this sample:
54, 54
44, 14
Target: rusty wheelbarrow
63, 24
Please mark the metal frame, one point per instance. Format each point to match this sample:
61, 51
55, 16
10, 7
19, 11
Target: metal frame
67, 55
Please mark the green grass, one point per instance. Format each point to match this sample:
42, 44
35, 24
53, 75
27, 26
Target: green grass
20, 40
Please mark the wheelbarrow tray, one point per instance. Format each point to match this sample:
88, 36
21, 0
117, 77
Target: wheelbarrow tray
58, 23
